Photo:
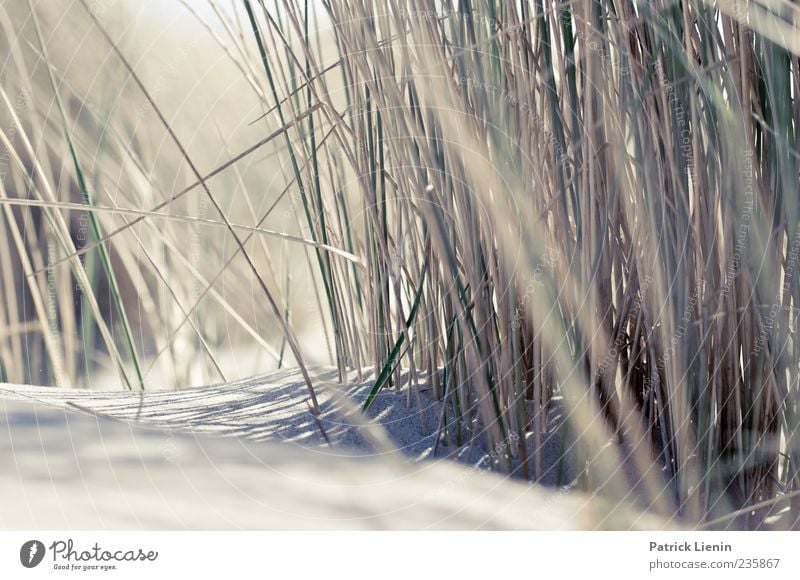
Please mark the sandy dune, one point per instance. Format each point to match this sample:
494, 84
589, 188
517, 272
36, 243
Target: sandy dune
90, 459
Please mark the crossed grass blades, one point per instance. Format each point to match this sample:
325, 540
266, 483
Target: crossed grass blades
519, 206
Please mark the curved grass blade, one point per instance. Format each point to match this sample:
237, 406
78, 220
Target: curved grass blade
391, 361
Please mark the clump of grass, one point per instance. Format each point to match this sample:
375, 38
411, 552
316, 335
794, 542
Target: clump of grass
582, 199
583, 204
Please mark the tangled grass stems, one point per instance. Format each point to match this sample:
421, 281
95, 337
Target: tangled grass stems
581, 206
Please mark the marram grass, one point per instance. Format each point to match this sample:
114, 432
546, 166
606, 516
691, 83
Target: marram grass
583, 206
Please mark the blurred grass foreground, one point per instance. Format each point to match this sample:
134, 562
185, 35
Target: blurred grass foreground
517, 210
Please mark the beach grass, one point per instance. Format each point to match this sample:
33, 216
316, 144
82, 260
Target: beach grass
582, 206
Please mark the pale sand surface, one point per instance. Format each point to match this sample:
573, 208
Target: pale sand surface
275, 407
249, 455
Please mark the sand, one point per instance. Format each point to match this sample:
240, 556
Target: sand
249, 455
